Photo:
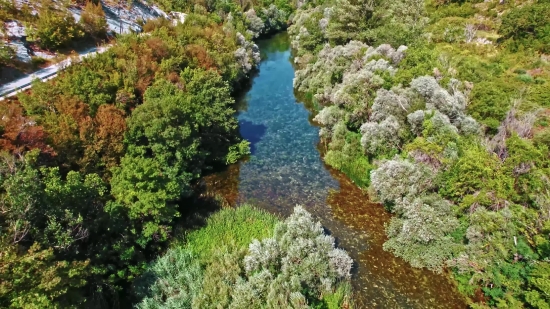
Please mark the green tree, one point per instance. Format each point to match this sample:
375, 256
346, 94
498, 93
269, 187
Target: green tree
172, 137
35, 278
55, 28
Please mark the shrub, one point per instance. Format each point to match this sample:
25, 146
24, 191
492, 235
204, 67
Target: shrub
489, 103
539, 285
296, 265
477, 173
55, 29
397, 179
298, 258
527, 26
37, 61
255, 23
93, 20
171, 282
274, 19
388, 103
220, 277
346, 155
421, 234
7, 54
381, 138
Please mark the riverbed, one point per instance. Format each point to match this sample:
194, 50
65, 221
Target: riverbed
285, 169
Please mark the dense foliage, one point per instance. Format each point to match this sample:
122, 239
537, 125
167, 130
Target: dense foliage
98, 163
246, 258
440, 110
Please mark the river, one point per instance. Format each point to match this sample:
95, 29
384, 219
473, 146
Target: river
286, 169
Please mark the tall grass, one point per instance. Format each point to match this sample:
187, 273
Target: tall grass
235, 227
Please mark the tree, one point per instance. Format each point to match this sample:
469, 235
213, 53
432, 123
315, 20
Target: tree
55, 29
46, 224
171, 138
93, 20
105, 146
35, 278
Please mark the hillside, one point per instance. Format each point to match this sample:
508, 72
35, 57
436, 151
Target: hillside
28, 39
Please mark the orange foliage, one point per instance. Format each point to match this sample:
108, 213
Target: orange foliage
105, 146
20, 134
199, 55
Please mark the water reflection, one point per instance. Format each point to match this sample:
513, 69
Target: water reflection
286, 169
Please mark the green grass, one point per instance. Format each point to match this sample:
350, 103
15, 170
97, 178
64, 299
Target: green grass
235, 227
338, 298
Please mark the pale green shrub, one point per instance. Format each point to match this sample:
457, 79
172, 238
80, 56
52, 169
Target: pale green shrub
298, 257
421, 235
171, 282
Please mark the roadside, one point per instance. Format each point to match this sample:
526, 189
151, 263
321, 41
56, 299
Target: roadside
120, 19
24, 83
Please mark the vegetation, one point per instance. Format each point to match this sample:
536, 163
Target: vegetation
443, 105
438, 108
263, 263
98, 163
55, 27
93, 20
7, 54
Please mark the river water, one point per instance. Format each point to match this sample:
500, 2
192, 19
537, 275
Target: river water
286, 169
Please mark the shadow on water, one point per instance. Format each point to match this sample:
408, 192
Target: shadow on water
252, 132
286, 169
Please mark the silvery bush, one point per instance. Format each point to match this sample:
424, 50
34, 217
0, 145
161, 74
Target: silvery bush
299, 256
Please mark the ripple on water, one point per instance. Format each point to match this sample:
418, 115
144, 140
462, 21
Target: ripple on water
286, 169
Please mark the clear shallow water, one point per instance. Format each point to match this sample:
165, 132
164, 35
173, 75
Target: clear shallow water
286, 169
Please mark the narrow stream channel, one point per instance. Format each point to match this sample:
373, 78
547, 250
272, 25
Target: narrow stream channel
286, 169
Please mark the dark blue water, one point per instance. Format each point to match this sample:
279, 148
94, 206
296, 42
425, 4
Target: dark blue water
286, 169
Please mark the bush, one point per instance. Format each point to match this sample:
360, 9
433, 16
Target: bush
348, 157
93, 20
421, 235
55, 29
527, 26
7, 54
171, 282
297, 265
489, 103
37, 61
397, 179
382, 138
